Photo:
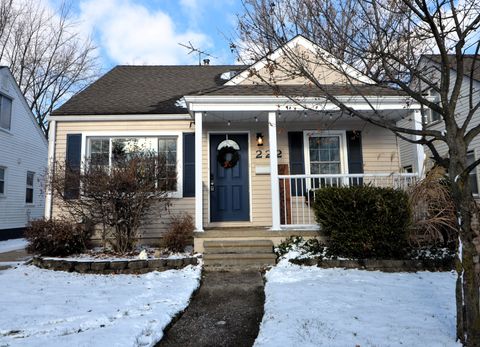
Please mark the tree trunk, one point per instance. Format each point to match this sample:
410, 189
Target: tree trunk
468, 265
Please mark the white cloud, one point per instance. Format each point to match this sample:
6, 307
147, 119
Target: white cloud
129, 33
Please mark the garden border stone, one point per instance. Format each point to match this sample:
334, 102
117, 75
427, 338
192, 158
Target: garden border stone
386, 265
107, 267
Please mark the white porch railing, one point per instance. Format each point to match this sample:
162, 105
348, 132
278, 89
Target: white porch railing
297, 192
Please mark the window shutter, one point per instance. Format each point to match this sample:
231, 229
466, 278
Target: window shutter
188, 164
72, 165
354, 147
297, 160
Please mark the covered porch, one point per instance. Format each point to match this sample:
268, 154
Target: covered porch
273, 194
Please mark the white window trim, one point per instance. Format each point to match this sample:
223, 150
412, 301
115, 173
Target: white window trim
27, 186
343, 147
179, 134
9, 130
5, 171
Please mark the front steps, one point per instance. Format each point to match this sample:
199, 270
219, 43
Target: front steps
238, 254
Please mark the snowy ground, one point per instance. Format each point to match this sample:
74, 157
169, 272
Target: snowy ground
309, 306
49, 308
12, 245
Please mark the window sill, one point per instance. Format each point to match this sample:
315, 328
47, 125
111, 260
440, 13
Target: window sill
29, 205
434, 123
6, 131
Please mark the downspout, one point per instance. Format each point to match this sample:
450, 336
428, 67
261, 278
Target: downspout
51, 168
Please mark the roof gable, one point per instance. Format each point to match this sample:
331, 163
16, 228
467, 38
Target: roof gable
322, 70
469, 61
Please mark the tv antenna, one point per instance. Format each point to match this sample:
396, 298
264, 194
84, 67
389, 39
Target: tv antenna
199, 52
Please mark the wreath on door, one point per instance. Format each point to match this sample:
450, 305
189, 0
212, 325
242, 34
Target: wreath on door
228, 157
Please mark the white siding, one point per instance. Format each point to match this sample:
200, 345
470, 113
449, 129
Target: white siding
407, 150
22, 149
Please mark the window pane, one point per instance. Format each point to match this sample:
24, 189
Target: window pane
29, 196
324, 154
30, 178
2, 187
5, 112
167, 152
99, 151
473, 173
2, 173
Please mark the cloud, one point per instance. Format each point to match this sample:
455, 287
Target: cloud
129, 33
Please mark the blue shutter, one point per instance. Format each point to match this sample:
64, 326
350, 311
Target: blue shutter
188, 164
297, 160
355, 157
72, 165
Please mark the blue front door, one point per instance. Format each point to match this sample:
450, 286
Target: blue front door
229, 198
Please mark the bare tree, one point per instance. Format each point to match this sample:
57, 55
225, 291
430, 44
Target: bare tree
389, 41
119, 198
46, 53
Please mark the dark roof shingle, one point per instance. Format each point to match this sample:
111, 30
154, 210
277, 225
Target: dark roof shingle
144, 89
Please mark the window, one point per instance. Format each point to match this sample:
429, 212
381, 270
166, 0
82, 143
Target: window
324, 154
108, 151
473, 173
2, 180
408, 169
5, 112
29, 191
433, 116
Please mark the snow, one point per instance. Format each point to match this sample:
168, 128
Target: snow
310, 306
12, 245
52, 308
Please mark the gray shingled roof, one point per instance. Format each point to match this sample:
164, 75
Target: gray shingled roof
469, 61
144, 89
156, 90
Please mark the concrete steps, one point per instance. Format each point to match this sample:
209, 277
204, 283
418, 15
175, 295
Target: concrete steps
238, 254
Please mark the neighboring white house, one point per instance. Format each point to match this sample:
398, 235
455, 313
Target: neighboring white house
23, 160
410, 154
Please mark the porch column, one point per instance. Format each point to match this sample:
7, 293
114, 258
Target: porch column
272, 138
198, 172
418, 122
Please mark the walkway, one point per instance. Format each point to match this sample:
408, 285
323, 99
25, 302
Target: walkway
8, 259
226, 311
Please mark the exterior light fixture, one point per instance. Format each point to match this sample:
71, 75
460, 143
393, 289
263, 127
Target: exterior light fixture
259, 139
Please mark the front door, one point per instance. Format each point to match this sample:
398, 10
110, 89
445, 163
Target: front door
229, 183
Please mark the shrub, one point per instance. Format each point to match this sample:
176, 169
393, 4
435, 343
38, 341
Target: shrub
364, 221
179, 233
56, 237
299, 244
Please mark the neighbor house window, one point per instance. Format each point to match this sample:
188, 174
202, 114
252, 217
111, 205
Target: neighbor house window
109, 151
408, 169
433, 116
2, 180
5, 112
29, 189
473, 173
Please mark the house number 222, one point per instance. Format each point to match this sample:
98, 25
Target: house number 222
266, 154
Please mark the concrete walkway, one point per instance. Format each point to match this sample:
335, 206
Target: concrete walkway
226, 311
8, 259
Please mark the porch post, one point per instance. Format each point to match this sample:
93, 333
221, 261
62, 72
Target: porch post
198, 172
272, 138
50, 167
418, 122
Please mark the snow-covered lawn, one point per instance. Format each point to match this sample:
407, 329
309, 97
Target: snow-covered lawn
48, 308
309, 306
12, 245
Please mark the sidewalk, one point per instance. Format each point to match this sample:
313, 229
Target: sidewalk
226, 311
13, 257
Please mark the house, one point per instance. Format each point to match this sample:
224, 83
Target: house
23, 160
411, 155
248, 159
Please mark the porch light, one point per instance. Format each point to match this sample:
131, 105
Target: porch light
259, 139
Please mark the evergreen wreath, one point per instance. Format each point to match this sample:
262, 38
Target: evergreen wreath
222, 157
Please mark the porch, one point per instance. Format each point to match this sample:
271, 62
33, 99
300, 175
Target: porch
275, 193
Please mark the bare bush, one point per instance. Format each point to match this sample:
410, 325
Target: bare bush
434, 216
119, 198
179, 233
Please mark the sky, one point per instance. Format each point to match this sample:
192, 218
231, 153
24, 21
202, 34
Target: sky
148, 31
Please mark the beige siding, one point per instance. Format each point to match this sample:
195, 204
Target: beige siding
284, 72
380, 154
